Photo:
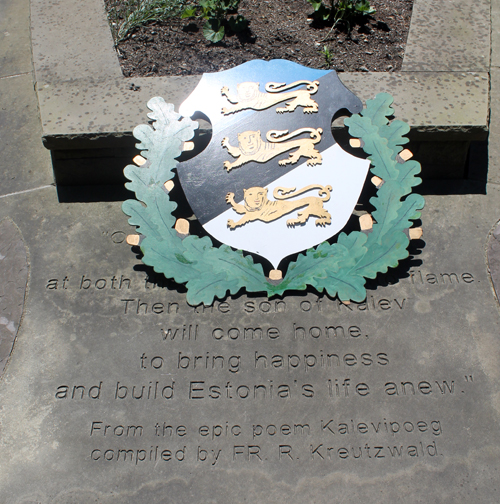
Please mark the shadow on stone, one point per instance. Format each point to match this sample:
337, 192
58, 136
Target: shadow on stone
474, 174
93, 193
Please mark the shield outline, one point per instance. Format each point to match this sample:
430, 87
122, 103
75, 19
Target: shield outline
271, 240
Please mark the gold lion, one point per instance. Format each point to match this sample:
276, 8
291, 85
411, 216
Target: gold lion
258, 207
249, 97
251, 147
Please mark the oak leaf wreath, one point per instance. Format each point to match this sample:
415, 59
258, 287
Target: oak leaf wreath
209, 272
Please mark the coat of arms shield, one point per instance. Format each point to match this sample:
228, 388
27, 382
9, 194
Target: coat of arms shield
272, 181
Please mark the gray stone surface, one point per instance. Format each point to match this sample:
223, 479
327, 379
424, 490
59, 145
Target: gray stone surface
95, 322
436, 104
495, 33
15, 49
438, 323
494, 137
449, 36
76, 112
83, 95
13, 282
433, 103
71, 41
24, 162
493, 255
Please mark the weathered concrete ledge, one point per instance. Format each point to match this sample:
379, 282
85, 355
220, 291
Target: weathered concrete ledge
88, 109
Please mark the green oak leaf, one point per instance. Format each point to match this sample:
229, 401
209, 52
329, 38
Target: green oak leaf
408, 176
394, 132
140, 217
379, 109
346, 286
380, 257
361, 127
386, 212
381, 156
162, 142
165, 259
353, 242
140, 180
207, 286
311, 267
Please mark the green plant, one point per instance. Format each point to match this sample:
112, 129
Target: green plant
341, 11
218, 16
126, 15
328, 56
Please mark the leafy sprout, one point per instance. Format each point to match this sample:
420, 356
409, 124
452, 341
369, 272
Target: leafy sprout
218, 15
328, 56
127, 15
340, 11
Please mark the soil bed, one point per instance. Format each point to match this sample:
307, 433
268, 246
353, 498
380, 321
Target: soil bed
277, 30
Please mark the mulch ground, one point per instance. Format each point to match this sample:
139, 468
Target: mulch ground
281, 29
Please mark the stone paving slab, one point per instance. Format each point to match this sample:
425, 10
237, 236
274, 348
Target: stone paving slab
450, 105
494, 137
80, 100
89, 323
493, 256
15, 44
495, 33
435, 104
443, 327
71, 40
14, 270
25, 163
449, 36
74, 113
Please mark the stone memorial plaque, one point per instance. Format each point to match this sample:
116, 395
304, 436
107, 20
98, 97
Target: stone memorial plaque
114, 389
118, 391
